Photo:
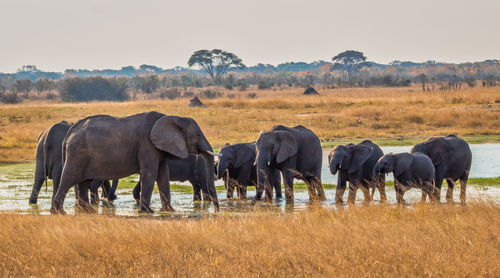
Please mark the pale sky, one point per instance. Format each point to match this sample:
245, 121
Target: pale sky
95, 34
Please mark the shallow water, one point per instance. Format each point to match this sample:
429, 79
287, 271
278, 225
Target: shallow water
16, 182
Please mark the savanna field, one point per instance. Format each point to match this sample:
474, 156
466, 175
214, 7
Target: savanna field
443, 240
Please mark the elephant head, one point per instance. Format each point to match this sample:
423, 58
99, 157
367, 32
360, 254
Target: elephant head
348, 158
272, 147
232, 156
396, 163
179, 137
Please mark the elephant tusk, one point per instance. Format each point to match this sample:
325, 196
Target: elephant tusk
269, 163
213, 154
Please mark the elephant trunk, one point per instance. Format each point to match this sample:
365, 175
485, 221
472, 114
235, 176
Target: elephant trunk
263, 162
334, 165
211, 179
221, 168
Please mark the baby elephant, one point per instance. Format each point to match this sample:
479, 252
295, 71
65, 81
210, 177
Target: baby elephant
410, 170
354, 164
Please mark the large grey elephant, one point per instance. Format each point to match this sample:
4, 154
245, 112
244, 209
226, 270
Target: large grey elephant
192, 169
296, 152
237, 167
104, 147
354, 164
410, 170
49, 162
452, 159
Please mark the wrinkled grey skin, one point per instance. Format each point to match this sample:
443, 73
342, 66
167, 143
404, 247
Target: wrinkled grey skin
192, 169
452, 159
103, 147
354, 164
296, 152
49, 161
410, 170
236, 166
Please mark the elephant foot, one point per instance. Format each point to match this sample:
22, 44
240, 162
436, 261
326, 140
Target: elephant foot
168, 208
33, 201
54, 210
112, 197
146, 210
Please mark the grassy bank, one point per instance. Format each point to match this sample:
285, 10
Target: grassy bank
390, 116
370, 241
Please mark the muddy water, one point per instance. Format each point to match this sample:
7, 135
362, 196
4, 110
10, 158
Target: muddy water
16, 181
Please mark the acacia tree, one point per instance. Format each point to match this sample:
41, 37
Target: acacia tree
215, 62
350, 61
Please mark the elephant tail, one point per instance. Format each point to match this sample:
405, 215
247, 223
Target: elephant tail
45, 163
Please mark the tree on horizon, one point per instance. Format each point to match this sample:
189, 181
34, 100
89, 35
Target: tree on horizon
215, 62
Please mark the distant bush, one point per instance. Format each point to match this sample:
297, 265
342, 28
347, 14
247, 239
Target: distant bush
264, 85
210, 94
252, 95
9, 97
188, 94
170, 93
94, 88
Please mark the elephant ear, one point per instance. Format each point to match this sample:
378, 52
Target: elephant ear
243, 154
288, 146
167, 136
359, 156
402, 163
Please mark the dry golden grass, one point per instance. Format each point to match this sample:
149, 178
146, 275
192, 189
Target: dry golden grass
335, 114
373, 241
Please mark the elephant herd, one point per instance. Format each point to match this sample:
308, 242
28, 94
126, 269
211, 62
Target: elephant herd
163, 148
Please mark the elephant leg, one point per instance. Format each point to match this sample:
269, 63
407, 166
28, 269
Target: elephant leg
83, 196
381, 189
163, 181
36, 189
137, 192
66, 182
399, 194
56, 179
288, 181
439, 182
449, 192
339, 191
366, 192
196, 191
149, 173
195, 183
353, 188
112, 192
243, 194
94, 191
463, 189
311, 189
230, 187
276, 183
317, 185
424, 196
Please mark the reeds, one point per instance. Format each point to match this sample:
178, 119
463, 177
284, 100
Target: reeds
368, 241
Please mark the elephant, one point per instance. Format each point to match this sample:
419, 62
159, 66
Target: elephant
49, 162
296, 152
103, 147
410, 170
192, 169
237, 167
354, 164
452, 159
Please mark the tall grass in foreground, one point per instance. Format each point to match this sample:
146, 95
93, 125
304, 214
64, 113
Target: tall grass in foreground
384, 241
